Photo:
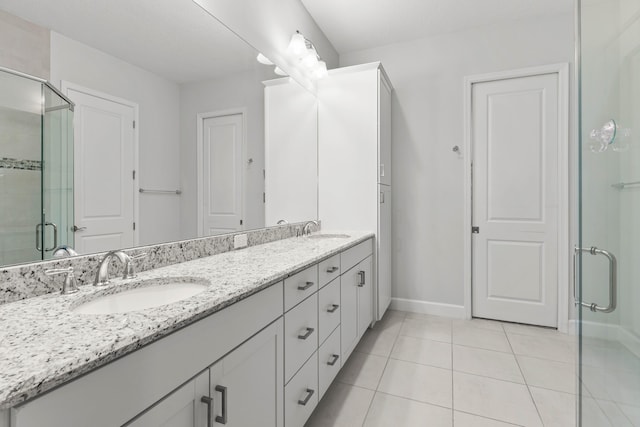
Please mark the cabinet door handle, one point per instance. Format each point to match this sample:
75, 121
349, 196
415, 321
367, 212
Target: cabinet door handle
332, 269
334, 359
306, 286
304, 401
223, 418
332, 308
306, 334
361, 278
209, 402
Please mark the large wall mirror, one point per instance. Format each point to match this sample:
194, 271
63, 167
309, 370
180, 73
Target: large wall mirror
168, 129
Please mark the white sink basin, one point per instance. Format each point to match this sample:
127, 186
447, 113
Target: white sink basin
329, 236
142, 295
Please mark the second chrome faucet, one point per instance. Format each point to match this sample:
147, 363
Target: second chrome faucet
102, 276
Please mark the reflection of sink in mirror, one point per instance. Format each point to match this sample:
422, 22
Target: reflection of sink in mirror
142, 295
329, 236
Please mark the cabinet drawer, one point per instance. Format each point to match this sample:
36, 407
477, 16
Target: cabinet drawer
352, 256
301, 335
328, 309
299, 286
301, 394
329, 361
328, 270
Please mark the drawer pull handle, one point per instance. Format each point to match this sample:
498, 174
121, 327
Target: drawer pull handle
304, 401
222, 419
306, 286
334, 359
332, 308
306, 334
332, 269
361, 278
209, 402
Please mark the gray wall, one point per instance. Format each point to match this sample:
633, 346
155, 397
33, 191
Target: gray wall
428, 202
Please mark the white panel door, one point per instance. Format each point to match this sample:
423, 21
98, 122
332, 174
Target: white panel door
222, 174
515, 199
104, 155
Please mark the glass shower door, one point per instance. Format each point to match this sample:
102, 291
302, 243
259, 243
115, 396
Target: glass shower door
57, 173
608, 253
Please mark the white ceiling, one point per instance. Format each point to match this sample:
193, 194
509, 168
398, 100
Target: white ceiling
175, 39
353, 25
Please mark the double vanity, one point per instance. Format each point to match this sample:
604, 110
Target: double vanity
246, 337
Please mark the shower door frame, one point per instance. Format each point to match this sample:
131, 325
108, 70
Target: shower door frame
565, 198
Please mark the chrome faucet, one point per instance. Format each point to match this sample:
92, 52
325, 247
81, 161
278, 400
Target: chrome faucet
102, 277
306, 230
70, 285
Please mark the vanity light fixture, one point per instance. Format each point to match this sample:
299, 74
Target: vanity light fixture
305, 56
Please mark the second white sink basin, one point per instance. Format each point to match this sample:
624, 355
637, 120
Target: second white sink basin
143, 295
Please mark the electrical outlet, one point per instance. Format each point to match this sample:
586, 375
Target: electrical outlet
239, 241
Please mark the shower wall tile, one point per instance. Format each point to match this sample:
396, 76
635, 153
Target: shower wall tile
24, 46
20, 136
28, 280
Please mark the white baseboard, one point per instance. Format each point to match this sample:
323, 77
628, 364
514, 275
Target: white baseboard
427, 307
608, 332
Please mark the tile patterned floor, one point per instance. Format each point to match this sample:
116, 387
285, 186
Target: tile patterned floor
421, 370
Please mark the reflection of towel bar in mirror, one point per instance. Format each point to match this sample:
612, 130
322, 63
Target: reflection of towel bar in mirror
623, 185
144, 190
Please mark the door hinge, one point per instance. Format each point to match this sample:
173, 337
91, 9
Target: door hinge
475, 230
264, 174
134, 225
134, 174
134, 124
240, 222
264, 198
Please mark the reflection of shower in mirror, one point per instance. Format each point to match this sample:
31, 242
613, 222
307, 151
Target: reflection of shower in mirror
610, 134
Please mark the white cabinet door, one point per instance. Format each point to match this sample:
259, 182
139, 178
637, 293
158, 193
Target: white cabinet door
384, 251
365, 295
182, 408
291, 154
356, 294
384, 130
246, 386
349, 311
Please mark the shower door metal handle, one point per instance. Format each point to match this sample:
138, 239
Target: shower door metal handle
613, 280
38, 234
55, 236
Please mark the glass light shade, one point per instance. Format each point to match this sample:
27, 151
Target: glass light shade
297, 45
279, 71
263, 59
310, 60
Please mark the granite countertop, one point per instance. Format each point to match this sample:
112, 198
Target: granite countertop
43, 344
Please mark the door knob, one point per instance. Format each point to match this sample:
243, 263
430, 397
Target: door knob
75, 228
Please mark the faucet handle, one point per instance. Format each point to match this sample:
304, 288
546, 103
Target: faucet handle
129, 271
70, 285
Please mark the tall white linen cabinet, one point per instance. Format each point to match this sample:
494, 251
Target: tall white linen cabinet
354, 162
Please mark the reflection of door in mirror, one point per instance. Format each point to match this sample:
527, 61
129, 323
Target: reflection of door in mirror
104, 165
220, 173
